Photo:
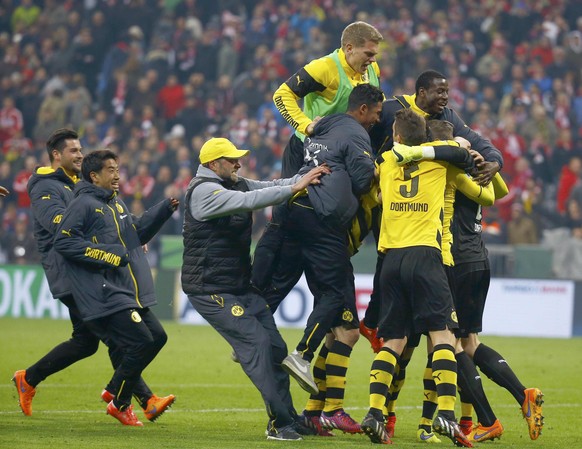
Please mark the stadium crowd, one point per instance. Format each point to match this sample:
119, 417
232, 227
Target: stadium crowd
153, 80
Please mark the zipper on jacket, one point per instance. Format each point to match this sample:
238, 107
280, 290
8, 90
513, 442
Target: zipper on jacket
128, 264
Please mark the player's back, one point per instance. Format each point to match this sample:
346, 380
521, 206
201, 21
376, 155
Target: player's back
412, 203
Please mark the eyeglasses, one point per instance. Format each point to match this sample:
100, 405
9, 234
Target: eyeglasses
230, 160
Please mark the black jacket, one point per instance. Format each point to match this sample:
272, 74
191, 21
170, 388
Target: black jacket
216, 252
102, 244
344, 145
381, 133
50, 192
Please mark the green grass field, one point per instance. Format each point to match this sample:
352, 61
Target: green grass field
217, 407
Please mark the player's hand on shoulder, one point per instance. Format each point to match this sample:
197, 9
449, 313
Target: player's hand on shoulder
311, 126
311, 177
486, 172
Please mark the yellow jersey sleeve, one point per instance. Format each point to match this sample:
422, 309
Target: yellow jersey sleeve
499, 186
448, 218
485, 196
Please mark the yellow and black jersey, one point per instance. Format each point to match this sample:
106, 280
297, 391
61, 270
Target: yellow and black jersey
458, 180
412, 203
466, 226
329, 79
364, 220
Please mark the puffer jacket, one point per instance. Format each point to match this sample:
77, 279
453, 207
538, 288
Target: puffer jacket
50, 193
102, 245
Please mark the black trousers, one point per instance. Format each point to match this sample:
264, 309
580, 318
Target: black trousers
82, 344
139, 335
247, 324
324, 254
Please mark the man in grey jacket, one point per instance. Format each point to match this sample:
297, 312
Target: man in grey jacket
216, 270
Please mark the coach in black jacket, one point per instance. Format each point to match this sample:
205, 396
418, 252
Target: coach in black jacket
111, 278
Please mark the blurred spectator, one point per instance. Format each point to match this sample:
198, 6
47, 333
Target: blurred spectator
573, 218
19, 243
521, 229
10, 120
140, 186
493, 227
171, 99
25, 14
54, 104
569, 177
86, 57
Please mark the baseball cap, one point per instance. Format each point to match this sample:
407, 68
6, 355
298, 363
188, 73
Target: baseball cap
218, 147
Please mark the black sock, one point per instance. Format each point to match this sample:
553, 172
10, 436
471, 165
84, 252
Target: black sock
494, 366
470, 385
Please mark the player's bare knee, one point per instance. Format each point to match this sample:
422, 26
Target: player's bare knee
470, 344
347, 336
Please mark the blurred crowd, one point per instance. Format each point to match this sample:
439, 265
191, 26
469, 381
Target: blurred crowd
153, 79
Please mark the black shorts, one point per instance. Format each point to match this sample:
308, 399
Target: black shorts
349, 314
416, 297
471, 284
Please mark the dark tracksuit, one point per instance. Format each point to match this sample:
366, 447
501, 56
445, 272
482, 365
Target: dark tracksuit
216, 277
111, 279
318, 223
50, 192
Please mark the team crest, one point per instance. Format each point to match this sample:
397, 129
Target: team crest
347, 315
454, 317
119, 208
237, 310
135, 317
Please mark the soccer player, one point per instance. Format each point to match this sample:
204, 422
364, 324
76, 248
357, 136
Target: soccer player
110, 277
470, 387
470, 277
324, 85
317, 224
414, 292
430, 101
51, 190
216, 270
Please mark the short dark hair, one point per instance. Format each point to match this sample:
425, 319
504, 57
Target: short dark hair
410, 126
57, 139
364, 94
440, 130
426, 78
95, 161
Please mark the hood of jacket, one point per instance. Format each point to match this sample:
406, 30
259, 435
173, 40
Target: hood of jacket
58, 174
